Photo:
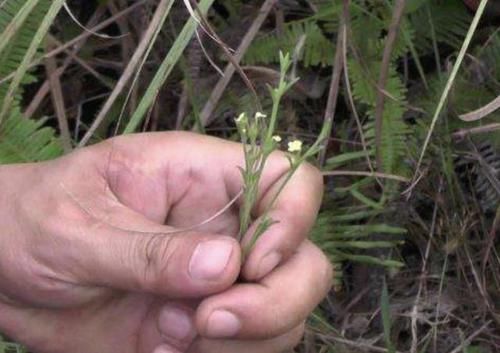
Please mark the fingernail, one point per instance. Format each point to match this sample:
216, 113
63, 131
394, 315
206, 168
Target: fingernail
209, 259
222, 323
175, 323
268, 263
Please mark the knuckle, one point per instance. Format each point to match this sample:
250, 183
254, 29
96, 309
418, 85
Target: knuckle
155, 253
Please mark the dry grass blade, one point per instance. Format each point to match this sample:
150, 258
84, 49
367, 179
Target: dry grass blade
482, 112
208, 109
82, 26
359, 125
206, 26
415, 309
469, 339
147, 41
202, 24
462, 133
101, 78
362, 346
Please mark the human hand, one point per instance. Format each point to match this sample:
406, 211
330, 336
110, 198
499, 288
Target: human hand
87, 263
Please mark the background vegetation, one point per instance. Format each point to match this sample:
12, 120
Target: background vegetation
411, 214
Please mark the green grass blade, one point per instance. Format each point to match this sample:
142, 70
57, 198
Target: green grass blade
16, 23
451, 80
28, 57
166, 68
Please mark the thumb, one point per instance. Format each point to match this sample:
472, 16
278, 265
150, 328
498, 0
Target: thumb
161, 261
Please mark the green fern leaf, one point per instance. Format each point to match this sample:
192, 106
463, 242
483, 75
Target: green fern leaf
13, 53
318, 49
17, 130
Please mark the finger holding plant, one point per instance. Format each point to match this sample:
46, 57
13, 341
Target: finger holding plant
259, 142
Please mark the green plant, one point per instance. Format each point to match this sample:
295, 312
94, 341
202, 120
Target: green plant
9, 347
19, 23
366, 219
259, 141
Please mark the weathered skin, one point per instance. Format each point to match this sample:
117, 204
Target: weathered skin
90, 260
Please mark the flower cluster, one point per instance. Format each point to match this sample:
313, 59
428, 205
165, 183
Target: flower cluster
259, 141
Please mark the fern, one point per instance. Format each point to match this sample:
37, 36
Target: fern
476, 85
12, 55
490, 54
479, 173
317, 30
15, 130
364, 68
448, 19
316, 52
343, 233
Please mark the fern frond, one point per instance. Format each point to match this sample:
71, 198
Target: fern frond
347, 229
318, 49
394, 129
12, 55
449, 19
23, 140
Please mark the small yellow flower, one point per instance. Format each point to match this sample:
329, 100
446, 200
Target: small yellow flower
260, 115
277, 138
295, 146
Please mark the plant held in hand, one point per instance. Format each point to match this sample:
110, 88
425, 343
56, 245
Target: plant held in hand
259, 142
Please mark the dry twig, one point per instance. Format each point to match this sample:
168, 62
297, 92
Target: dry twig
139, 53
335, 82
58, 102
208, 109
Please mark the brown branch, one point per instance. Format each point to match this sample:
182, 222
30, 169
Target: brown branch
128, 46
58, 102
45, 87
335, 82
130, 70
101, 78
397, 16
